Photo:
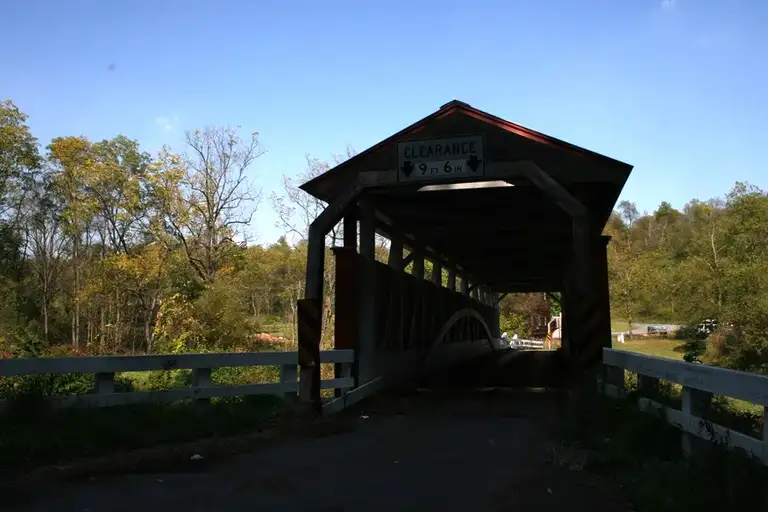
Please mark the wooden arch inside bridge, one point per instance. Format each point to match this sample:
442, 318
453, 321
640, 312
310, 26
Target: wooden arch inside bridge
499, 207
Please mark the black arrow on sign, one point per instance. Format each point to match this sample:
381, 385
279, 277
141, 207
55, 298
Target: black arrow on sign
407, 168
474, 163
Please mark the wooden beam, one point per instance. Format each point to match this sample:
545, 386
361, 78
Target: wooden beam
554, 190
451, 279
316, 243
437, 273
350, 231
396, 253
367, 298
410, 239
418, 262
506, 170
309, 356
408, 258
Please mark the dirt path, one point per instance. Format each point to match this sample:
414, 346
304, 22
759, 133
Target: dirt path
434, 450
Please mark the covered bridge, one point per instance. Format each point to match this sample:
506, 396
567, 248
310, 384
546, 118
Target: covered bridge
499, 207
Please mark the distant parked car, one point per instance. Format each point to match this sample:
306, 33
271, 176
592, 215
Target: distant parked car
706, 327
660, 330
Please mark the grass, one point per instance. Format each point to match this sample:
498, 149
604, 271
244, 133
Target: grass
619, 325
660, 347
642, 455
741, 416
32, 434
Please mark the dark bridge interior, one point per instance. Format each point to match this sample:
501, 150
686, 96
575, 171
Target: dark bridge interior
528, 218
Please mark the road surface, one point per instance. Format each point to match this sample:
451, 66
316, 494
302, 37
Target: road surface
442, 448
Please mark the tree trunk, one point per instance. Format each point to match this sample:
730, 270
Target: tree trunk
45, 319
76, 289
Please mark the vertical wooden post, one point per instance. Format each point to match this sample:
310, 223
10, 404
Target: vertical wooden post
346, 314
452, 279
437, 273
105, 383
310, 326
289, 373
695, 403
765, 435
201, 378
613, 375
396, 253
367, 301
647, 386
398, 288
418, 261
496, 326
350, 231
310, 308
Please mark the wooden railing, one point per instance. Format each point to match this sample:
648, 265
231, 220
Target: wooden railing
699, 382
104, 369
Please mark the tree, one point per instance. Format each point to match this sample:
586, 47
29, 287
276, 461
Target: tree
46, 244
72, 160
205, 196
296, 209
18, 151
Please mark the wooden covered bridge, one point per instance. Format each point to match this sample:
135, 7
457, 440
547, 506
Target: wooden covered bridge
497, 207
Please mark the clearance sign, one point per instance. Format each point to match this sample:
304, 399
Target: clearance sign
441, 159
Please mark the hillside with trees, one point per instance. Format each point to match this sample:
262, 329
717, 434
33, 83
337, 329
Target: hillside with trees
105, 249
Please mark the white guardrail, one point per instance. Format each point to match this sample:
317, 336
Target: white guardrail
699, 383
104, 368
537, 344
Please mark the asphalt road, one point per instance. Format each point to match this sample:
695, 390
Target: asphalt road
443, 448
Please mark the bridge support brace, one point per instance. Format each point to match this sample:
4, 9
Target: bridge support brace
345, 329
496, 324
367, 297
418, 261
309, 308
586, 307
437, 273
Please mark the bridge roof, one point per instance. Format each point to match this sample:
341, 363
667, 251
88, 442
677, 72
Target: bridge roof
513, 238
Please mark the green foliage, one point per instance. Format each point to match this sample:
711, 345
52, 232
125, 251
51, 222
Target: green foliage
32, 388
708, 261
168, 379
642, 455
95, 432
245, 375
515, 323
693, 350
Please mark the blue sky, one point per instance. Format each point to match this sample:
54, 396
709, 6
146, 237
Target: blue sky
678, 88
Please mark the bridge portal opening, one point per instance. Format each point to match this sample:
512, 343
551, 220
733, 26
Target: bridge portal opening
493, 207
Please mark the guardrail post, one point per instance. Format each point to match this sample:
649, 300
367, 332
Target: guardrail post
613, 376
201, 378
765, 435
310, 325
104, 383
695, 403
647, 386
289, 373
